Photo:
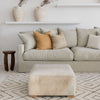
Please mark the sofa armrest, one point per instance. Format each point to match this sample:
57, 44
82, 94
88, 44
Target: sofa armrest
21, 48
20, 51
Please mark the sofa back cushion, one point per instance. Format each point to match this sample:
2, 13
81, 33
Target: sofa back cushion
70, 36
98, 28
28, 40
83, 35
53, 31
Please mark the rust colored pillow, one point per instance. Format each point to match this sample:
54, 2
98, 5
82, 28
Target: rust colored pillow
43, 40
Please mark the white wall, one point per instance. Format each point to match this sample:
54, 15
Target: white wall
87, 16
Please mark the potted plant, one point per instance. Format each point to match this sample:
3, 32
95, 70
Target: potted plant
39, 12
18, 12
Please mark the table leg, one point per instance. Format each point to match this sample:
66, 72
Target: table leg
6, 62
12, 62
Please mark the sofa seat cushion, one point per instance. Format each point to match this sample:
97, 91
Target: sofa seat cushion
86, 54
52, 55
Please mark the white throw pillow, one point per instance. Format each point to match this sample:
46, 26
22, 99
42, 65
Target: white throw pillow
93, 42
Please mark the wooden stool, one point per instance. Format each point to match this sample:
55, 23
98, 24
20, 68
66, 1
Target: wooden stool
6, 59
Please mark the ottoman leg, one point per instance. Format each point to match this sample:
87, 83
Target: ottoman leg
33, 96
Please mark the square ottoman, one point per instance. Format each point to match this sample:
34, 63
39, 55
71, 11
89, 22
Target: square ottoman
52, 80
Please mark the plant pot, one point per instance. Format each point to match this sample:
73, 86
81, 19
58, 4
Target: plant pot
18, 13
39, 14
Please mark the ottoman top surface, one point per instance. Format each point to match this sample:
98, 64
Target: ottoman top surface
52, 70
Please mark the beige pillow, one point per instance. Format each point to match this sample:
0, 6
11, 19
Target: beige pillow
28, 40
43, 41
58, 41
83, 35
93, 42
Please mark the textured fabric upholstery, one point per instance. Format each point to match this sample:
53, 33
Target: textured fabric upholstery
59, 54
28, 40
58, 41
52, 80
86, 54
70, 36
53, 31
43, 41
94, 42
83, 35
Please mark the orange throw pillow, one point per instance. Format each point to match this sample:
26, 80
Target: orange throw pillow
43, 40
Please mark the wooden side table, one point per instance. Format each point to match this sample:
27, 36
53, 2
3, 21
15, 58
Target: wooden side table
6, 59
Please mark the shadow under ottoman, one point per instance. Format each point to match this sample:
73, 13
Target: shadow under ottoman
52, 80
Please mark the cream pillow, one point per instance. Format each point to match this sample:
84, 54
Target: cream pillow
28, 40
93, 42
83, 35
58, 41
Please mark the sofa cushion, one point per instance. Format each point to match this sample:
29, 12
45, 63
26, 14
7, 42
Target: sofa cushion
43, 41
52, 55
86, 54
28, 40
98, 28
70, 36
94, 42
58, 41
53, 31
83, 35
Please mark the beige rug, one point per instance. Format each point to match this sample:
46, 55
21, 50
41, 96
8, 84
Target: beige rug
15, 87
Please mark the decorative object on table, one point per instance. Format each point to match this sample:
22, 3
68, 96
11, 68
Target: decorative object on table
6, 59
39, 12
18, 12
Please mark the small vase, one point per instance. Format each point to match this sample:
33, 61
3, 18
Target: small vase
18, 13
39, 14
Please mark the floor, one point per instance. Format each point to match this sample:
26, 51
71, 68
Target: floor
3, 74
15, 87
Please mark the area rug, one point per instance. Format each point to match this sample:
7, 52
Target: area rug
15, 87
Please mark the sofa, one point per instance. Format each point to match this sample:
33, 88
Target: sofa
77, 54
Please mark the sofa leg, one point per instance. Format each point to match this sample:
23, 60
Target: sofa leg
33, 96
71, 96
